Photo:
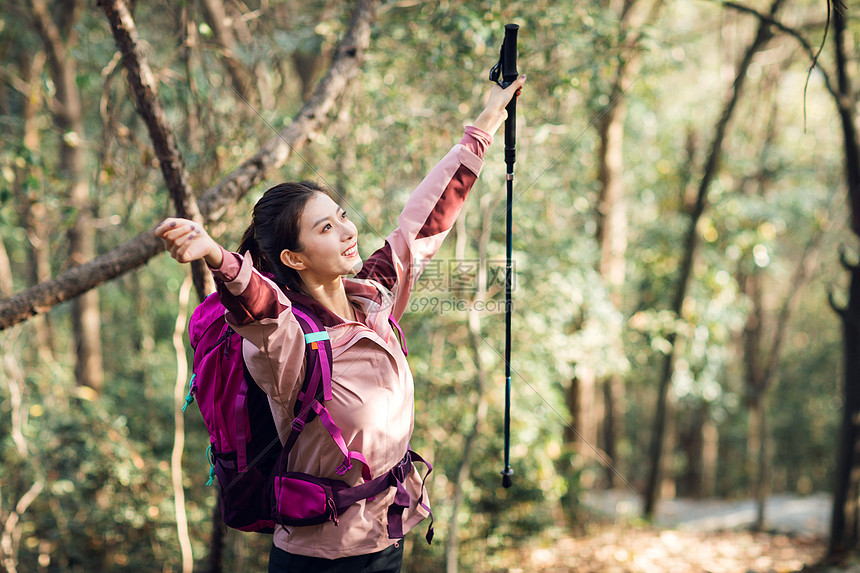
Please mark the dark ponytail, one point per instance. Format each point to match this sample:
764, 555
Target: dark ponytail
275, 226
249, 246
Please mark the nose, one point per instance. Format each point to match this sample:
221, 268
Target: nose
349, 230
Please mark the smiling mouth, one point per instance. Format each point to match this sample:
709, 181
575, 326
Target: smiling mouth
352, 251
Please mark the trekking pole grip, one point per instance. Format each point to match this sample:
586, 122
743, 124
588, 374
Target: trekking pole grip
509, 75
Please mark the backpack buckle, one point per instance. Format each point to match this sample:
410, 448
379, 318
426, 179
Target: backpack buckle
298, 424
343, 468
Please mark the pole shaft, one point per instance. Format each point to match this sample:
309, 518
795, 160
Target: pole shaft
507, 69
509, 279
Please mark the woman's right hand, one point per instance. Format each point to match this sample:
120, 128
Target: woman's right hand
187, 241
495, 114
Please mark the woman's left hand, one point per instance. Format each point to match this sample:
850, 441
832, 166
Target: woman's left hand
186, 242
495, 114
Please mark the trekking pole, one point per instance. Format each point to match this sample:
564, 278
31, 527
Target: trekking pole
504, 73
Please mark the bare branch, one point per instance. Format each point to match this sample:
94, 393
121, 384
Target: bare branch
275, 152
807, 48
222, 29
213, 202
142, 84
11, 532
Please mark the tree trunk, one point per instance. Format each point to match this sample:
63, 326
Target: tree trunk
32, 214
710, 457
845, 520
476, 343
217, 538
613, 395
690, 443
241, 78
700, 445
581, 434
755, 382
612, 208
761, 482
86, 317
656, 452
756, 461
612, 240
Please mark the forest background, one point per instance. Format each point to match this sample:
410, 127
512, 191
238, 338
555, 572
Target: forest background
683, 251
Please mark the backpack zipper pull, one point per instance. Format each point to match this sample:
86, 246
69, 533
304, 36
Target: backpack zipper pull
190, 397
333, 510
226, 339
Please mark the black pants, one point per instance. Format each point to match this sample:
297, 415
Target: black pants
385, 561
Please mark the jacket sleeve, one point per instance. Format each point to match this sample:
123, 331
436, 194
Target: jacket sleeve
427, 218
260, 312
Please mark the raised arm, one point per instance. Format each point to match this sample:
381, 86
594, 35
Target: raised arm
244, 292
257, 308
435, 204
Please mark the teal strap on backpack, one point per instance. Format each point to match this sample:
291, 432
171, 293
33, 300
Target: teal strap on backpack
211, 465
312, 337
190, 397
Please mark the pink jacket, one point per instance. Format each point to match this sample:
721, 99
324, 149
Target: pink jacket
372, 385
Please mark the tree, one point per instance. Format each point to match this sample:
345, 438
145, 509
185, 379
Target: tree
845, 524
59, 39
481, 383
612, 206
214, 201
657, 447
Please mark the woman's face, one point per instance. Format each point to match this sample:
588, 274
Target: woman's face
329, 239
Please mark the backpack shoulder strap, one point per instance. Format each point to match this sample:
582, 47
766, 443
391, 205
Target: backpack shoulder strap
318, 356
317, 389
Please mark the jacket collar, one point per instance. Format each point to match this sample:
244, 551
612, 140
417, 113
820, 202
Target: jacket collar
364, 292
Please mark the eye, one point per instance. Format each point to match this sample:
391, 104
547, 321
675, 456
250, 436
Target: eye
326, 227
344, 215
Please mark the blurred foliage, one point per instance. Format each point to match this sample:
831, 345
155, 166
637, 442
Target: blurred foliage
105, 459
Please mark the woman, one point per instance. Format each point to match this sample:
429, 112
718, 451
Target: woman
306, 241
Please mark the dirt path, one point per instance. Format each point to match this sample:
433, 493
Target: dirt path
628, 549
789, 514
689, 536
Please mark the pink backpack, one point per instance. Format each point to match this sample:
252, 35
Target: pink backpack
245, 452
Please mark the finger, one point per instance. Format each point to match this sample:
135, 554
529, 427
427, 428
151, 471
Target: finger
173, 226
510, 92
178, 233
183, 250
516, 84
165, 226
180, 253
187, 240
